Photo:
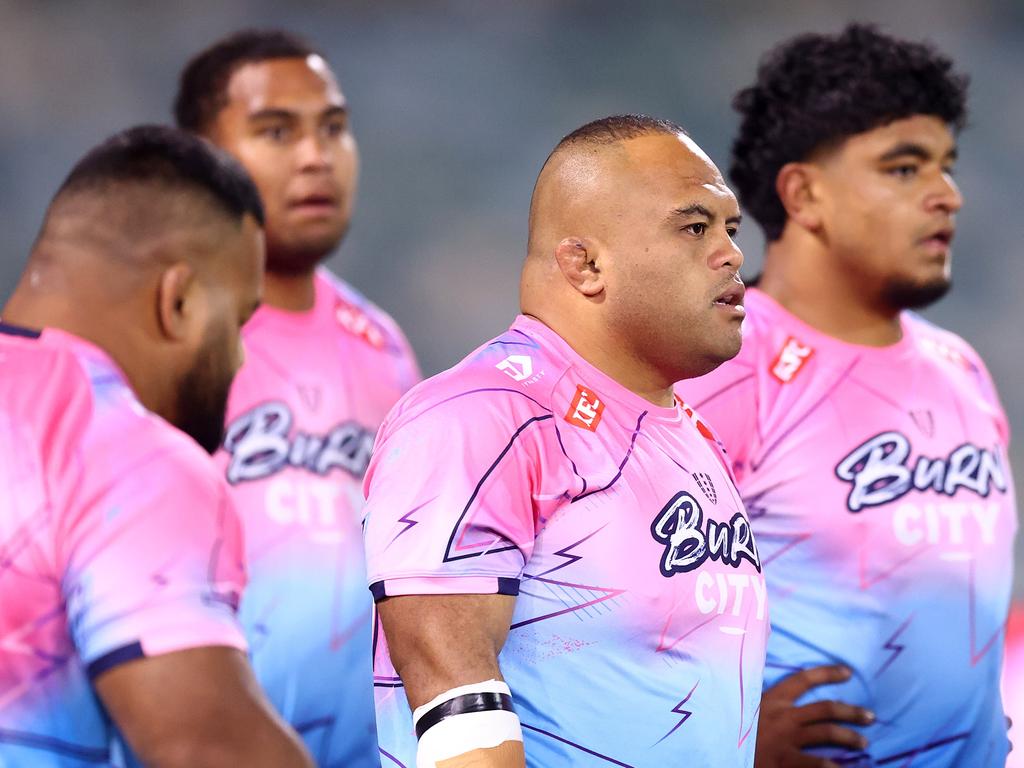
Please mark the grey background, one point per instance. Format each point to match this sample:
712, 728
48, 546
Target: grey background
456, 103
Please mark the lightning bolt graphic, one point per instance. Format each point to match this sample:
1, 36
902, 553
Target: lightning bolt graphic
678, 710
892, 645
409, 520
565, 552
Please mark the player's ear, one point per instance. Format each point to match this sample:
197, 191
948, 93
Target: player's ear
176, 296
578, 260
797, 186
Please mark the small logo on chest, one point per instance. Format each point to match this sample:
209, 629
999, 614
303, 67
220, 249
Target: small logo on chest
792, 357
585, 409
703, 480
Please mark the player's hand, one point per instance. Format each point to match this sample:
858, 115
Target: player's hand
785, 729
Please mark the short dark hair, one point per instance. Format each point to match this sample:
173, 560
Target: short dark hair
202, 87
608, 130
816, 90
168, 157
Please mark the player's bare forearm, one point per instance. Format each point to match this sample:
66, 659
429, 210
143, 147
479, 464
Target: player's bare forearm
439, 642
199, 708
445, 648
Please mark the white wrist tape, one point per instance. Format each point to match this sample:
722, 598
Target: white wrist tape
444, 736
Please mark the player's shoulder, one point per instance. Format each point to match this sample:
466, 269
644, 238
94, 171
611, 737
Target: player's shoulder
359, 316
506, 380
45, 395
942, 345
123, 437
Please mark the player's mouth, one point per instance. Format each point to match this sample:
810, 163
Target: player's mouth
938, 242
731, 299
315, 204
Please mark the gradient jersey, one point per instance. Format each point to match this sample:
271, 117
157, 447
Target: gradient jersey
640, 622
1013, 684
877, 483
117, 541
302, 416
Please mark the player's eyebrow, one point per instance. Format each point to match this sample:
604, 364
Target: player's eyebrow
335, 110
272, 113
914, 150
699, 210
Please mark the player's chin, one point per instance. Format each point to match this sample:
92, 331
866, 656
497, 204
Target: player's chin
725, 348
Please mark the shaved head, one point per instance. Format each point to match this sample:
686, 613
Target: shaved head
630, 247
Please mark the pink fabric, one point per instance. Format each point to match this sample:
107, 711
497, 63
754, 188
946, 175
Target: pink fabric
115, 530
524, 470
880, 492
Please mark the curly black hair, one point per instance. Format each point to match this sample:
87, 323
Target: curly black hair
814, 90
203, 83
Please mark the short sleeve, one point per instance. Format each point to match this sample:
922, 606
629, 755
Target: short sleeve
153, 559
450, 498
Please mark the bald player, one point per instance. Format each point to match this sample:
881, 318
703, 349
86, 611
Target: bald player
563, 569
324, 366
120, 552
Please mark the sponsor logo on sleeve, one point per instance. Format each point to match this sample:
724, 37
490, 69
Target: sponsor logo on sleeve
790, 360
585, 409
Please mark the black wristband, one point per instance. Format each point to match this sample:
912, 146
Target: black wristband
461, 705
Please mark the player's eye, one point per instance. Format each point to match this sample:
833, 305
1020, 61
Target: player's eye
732, 231
336, 128
697, 229
903, 171
276, 133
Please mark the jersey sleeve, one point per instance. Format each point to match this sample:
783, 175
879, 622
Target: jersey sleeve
152, 560
450, 499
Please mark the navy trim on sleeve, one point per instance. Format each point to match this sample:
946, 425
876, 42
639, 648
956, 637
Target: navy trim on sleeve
507, 586
17, 330
377, 590
115, 658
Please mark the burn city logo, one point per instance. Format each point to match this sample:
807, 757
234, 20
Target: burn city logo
879, 471
260, 445
690, 538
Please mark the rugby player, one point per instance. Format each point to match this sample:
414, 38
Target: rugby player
323, 367
562, 566
121, 560
869, 445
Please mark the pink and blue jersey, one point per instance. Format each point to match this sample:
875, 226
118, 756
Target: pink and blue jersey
302, 415
117, 541
1013, 683
640, 617
877, 483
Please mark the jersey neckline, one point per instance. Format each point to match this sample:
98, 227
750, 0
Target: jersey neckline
604, 385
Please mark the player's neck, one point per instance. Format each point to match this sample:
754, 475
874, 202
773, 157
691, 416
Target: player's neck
612, 359
809, 285
290, 292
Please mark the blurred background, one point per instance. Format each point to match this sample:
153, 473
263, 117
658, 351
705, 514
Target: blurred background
456, 103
